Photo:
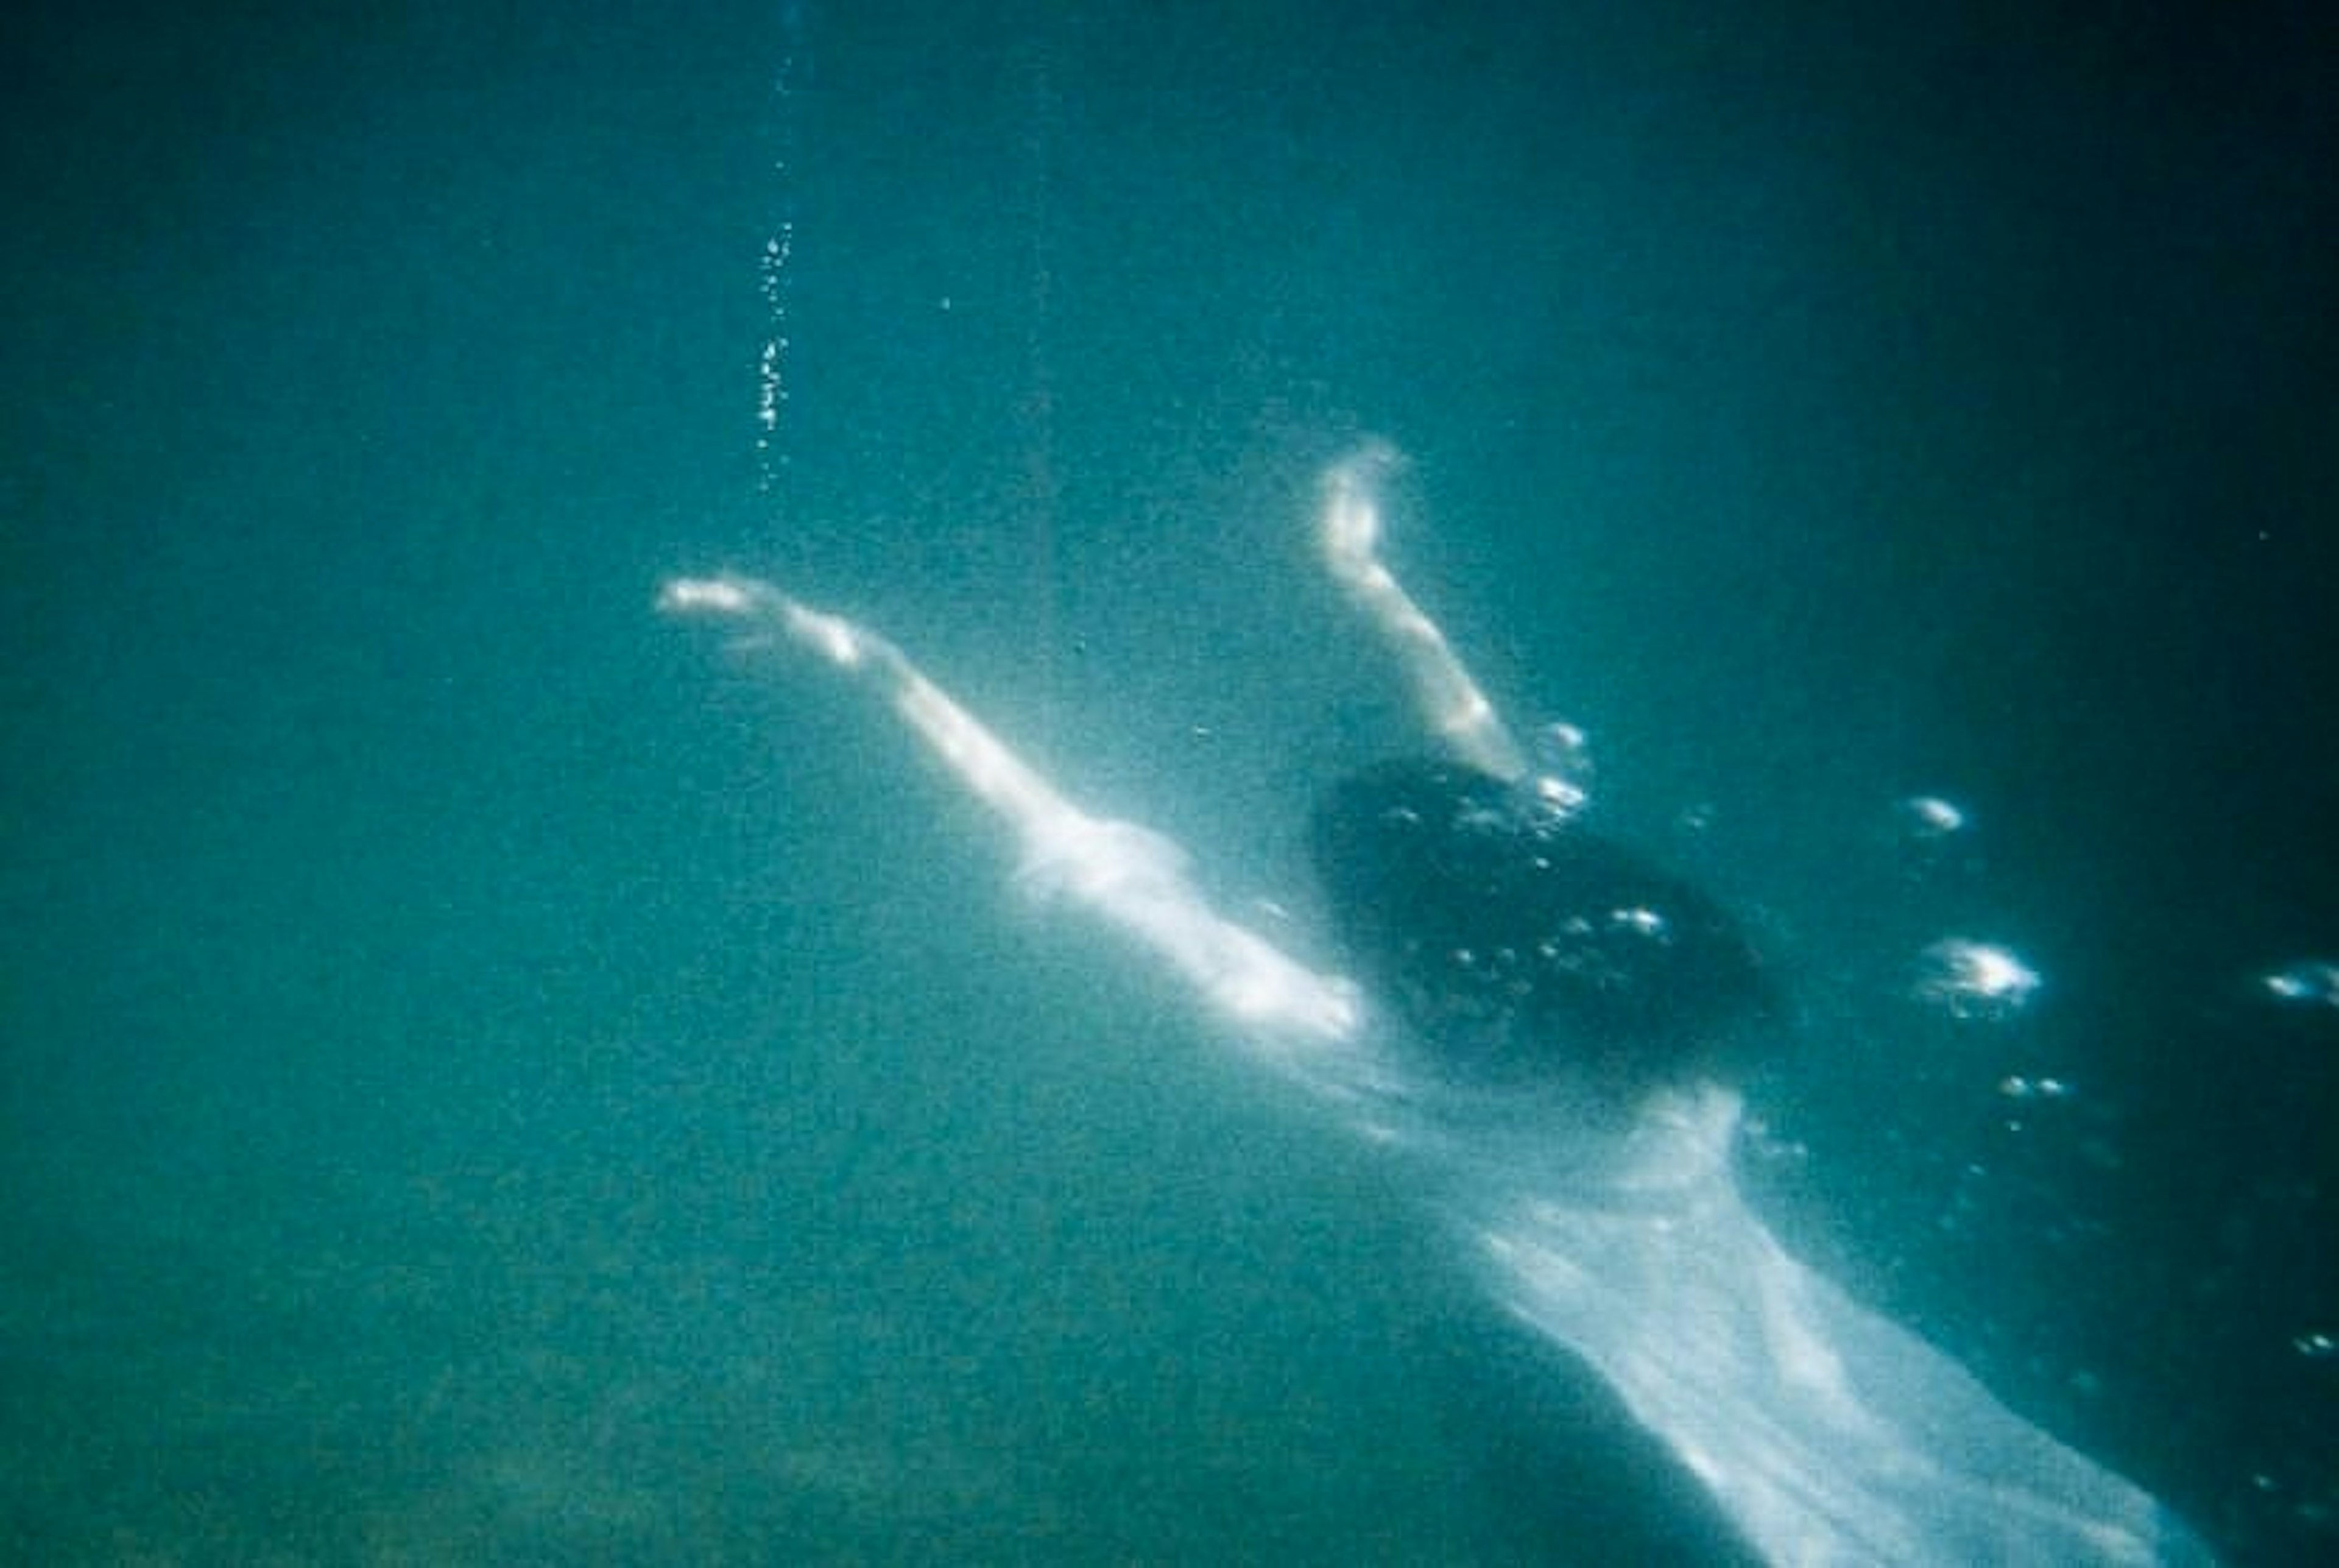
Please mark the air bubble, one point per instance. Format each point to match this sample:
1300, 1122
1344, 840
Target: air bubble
1975, 980
2314, 983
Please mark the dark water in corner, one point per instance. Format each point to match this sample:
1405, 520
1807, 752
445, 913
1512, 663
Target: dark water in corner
483, 1078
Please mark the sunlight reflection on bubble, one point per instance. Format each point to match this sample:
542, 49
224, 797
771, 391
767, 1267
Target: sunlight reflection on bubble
1926, 818
1974, 979
2315, 983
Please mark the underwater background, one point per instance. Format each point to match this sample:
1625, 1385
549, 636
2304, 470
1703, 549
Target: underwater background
486, 1075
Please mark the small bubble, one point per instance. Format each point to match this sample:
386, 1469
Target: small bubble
2315, 983
2316, 1346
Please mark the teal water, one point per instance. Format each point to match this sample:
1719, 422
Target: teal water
485, 1076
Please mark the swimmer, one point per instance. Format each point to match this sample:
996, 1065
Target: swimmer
1538, 1024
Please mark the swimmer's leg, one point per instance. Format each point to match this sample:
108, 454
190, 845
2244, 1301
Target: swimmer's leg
1131, 876
1449, 699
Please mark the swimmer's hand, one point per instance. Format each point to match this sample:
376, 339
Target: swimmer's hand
731, 596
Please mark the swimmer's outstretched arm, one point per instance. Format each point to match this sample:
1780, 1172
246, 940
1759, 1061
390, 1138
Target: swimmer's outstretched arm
1133, 878
1450, 700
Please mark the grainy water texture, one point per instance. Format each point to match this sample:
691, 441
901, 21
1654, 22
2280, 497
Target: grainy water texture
491, 1075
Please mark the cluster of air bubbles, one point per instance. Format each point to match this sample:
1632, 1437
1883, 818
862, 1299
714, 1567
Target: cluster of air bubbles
772, 360
2027, 1096
1974, 979
2315, 983
1558, 779
774, 278
2316, 1346
771, 389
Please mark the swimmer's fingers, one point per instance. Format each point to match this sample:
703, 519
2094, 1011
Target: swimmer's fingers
751, 601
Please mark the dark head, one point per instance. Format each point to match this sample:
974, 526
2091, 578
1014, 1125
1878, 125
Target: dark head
1520, 947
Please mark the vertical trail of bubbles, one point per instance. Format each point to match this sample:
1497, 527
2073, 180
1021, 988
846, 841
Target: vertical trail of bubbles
772, 274
1039, 411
